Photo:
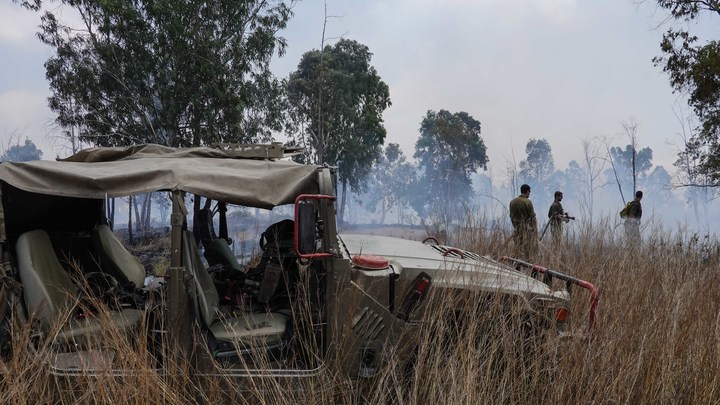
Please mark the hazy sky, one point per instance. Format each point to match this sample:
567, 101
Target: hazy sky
562, 70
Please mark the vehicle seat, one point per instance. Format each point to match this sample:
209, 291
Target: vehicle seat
115, 259
217, 250
49, 292
250, 331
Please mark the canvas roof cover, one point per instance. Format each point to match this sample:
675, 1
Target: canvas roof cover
124, 171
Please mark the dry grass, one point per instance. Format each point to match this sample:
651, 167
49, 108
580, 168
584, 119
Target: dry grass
657, 340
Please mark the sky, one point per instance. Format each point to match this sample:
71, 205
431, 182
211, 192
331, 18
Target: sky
562, 70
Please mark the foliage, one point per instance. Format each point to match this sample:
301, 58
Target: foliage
623, 165
538, 167
694, 68
449, 150
574, 177
336, 100
21, 153
660, 182
390, 181
623, 158
700, 190
173, 72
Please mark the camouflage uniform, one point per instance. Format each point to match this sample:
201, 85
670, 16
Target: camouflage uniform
522, 215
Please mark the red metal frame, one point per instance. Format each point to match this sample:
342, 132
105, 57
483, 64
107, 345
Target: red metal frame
569, 280
304, 197
454, 250
432, 238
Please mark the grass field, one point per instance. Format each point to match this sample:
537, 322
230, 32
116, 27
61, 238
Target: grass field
656, 340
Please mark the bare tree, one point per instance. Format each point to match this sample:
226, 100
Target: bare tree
701, 190
512, 173
594, 164
607, 141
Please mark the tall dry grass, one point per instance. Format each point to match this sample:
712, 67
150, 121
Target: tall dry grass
656, 340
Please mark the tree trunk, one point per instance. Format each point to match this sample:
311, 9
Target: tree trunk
130, 210
138, 215
196, 209
384, 211
111, 213
147, 207
341, 217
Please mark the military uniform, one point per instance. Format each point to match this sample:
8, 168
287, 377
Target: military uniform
632, 222
522, 215
556, 224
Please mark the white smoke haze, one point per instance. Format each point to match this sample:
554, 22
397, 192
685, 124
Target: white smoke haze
559, 70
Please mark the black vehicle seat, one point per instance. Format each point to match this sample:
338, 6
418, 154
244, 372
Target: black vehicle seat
249, 331
50, 294
115, 258
217, 250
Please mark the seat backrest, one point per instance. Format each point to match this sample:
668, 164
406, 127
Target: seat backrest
217, 250
47, 288
115, 259
207, 296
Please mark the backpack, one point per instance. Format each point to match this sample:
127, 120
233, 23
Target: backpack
278, 239
625, 212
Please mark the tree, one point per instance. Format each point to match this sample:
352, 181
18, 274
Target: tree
572, 184
694, 69
336, 100
593, 165
390, 181
626, 173
449, 150
630, 127
538, 167
21, 153
659, 182
173, 72
701, 190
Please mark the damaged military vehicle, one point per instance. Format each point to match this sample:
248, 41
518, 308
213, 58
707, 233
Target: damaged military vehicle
308, 295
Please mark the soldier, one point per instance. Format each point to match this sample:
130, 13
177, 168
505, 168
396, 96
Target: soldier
557, 216
632, 222
522, 215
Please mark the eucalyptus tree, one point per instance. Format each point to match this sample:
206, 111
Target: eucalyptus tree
630, 166
538, 167
21, 153
336, 99
172, 72
448, 151
693, 67
390, 181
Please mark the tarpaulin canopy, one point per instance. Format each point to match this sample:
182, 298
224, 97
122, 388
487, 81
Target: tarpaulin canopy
223, 175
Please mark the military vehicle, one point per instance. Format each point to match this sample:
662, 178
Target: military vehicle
311, 293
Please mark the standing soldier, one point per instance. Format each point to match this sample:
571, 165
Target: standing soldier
522, 215
557, 217
632, 222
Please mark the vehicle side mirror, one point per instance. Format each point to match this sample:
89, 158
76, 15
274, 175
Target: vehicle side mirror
306, 219
306, 230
